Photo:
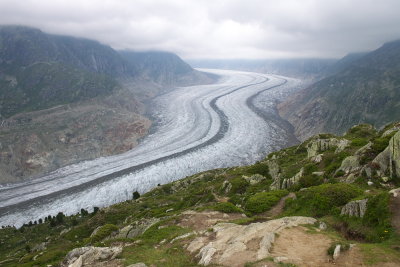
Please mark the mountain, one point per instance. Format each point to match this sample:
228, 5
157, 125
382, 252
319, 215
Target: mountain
329, 201
39, 70
65, 99
364, 90
307, 68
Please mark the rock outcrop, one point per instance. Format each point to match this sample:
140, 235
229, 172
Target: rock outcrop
318, 145
289, 182
234, 245
356, 208
350, 164
136, 229
389, 159
90, 256
274, 171
254, 179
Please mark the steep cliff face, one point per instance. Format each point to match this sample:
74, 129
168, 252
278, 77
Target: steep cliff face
365, 90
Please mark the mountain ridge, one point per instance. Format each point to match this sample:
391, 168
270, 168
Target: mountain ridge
66, 99
366, 90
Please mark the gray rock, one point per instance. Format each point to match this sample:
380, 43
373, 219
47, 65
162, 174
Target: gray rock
389, 159
318, 145
336, 252
140, 264
274, 171
40, 247
350, 164
395, 192
322, 226
226, 186
355, 208
254, 179
90, 256
137, 228
287, 183
232, 239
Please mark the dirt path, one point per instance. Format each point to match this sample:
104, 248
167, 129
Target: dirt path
310, 249
278, 208
395, 209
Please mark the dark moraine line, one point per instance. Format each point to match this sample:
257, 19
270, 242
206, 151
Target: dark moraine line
284, 124
152, 130
218, 136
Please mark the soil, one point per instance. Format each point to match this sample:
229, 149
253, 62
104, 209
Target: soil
278, 208
204, 220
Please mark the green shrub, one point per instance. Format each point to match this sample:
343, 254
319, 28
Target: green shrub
239, 185
310, 168
323, 199
310, 180
135, 195
377, 216
258, 168
155, 233
361, 131
227, 207
379, 144
358, 142
264, 201
103, 232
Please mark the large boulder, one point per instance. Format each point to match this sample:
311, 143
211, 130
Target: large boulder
389, 159
356, 208
350, 164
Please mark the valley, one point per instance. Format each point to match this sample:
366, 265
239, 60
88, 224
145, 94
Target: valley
197, 128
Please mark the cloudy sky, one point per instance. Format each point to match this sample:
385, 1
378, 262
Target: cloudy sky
218, 28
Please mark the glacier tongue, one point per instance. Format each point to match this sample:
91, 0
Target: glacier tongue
198, 128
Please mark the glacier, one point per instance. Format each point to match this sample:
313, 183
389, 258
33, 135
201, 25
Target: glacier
197, 128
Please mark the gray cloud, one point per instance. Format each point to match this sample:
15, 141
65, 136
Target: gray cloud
218, 28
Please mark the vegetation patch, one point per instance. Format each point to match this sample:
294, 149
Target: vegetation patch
227, 207
264, 201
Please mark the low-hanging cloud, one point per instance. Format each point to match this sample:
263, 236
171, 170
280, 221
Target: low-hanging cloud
218, 28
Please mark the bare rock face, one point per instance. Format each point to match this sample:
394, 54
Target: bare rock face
136, 229
234, 245
287, 183
389, 159
355, 208
319, 145
274, 171
90, 256
350, 164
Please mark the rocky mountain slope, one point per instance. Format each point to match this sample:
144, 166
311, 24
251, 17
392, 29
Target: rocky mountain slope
66, 99
361, 89
330, 201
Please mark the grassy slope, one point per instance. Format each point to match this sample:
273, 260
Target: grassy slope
323, 199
